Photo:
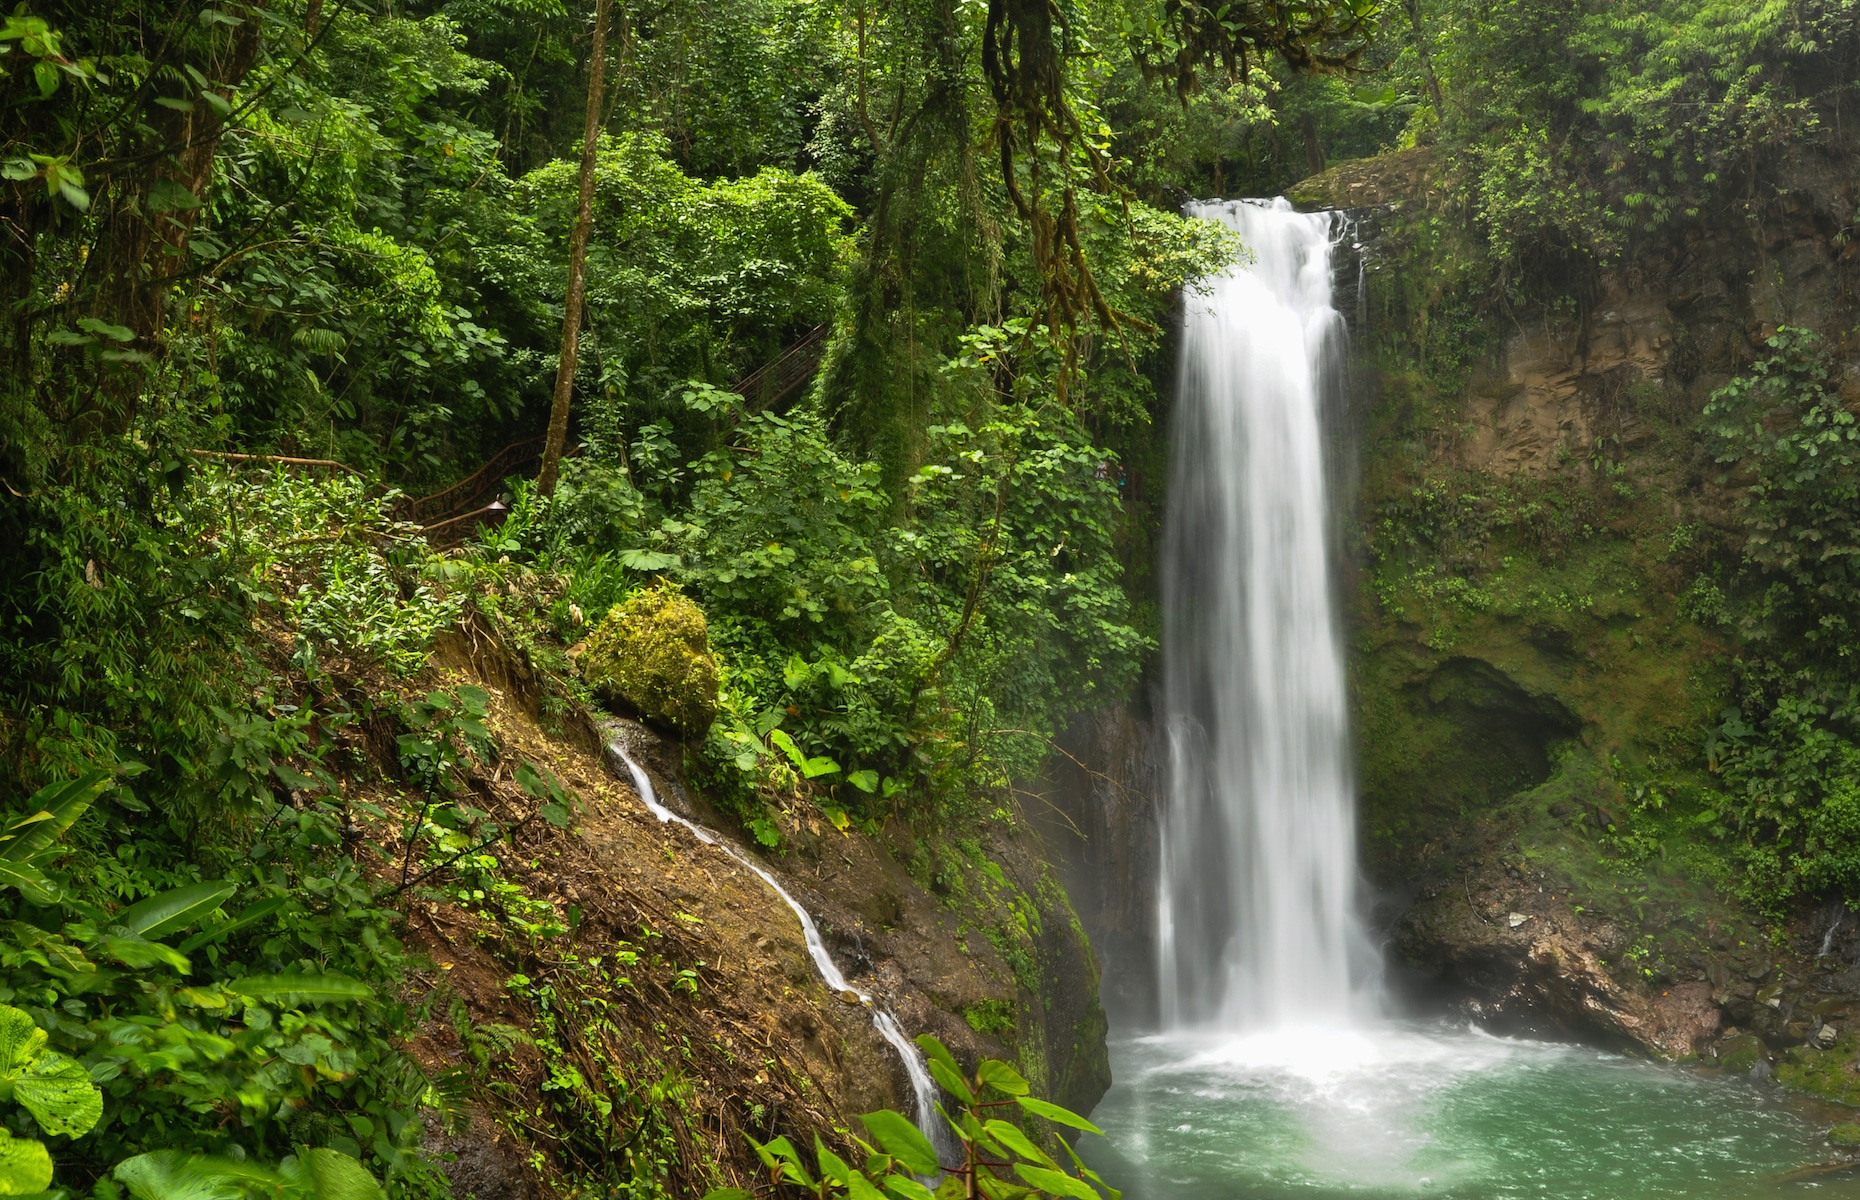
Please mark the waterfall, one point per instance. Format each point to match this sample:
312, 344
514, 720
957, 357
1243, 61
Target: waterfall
929, 1123
1257, 924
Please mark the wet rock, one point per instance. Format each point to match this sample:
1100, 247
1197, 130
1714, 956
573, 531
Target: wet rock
1742, 1052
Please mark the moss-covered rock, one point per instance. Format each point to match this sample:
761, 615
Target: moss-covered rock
1833, 1073
651, 654
1740, 1053
1845, 1134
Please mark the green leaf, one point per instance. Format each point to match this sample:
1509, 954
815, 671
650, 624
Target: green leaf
832, 1166
253, 914
903, 1141
1056, 1183
174, 910
866, 781
906, 1188
300, 988
858, 1187
647, 560
786, 745
729, 1194
116, 333
21, 1042
1053, 1112
30, 881
141, 953
25, 1166
51, 810
172, 1175
814, 768
57, 1091
18, 169
328, 1174
951, 1081
935, 1049
1002, 1078
1018, 1142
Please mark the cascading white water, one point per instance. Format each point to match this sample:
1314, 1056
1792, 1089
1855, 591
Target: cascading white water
923, 1087
1257, 925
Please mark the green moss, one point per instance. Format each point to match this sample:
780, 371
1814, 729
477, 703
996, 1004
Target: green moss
992, 1017
1845, 1134
651, 653
1740, 1053
1829, 1073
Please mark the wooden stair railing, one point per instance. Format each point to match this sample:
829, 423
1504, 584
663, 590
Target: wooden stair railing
464, 495
775, 380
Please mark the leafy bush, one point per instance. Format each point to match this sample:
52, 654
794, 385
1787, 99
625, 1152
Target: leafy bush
997, 1157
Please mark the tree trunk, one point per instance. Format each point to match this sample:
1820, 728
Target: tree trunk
1314, 149
577, 261
1427, 61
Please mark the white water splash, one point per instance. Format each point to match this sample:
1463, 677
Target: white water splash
929, 1123
1257, 926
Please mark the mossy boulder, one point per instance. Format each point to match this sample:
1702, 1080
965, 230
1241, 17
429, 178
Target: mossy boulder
651, 654
1741, 1053
1833, 1073
1845, 1134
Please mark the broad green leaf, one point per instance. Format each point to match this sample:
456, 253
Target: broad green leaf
1085, 1172
1002, 1078
141, 953
832, 1166
951, 1081
786, 745
647, 560
102, 328
174, 910
1053, 1112
936, 1050
906, 1188
30, 882
253, 914
729, 1194
866, 780
301, 987
858, 1187
765, 1151
903, 1141
172, 1175
53, 809
1056, 1183
21, 1041
326, 1174
25, 1166
57, 1091
1018, 1142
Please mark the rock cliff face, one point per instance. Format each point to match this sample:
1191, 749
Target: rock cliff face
1504, 701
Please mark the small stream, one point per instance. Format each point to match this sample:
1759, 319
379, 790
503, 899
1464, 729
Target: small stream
1418, 1109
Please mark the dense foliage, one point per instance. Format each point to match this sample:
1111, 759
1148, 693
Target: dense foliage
332, 232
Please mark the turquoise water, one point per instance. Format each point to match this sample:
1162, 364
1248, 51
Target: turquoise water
1422, 1110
